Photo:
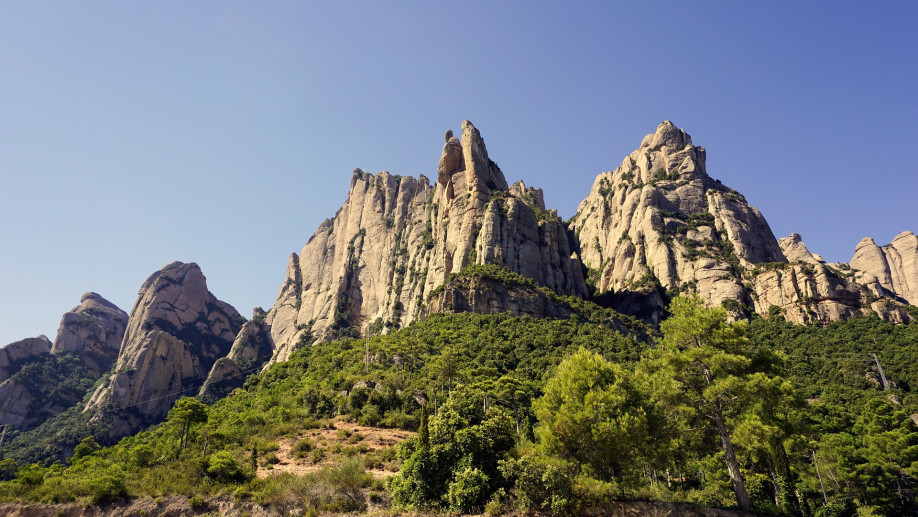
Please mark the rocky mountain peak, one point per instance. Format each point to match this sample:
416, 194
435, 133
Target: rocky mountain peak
893, 267
372, 267
658, 223
93, 331
796, 251
667, 135
176, 331
17, 352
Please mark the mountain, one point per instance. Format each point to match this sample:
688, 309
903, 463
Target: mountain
402, 248
893, 267
176, 332
396, 239
40, 379
660, 224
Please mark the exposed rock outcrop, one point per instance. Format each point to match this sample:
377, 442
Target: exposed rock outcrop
488, 296
893, 267
93, 331
252, 348
15, 354
396, 239
660, 223
176, 331
796, 251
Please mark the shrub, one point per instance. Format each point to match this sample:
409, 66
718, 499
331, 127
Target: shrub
302, 447
106, 487
468, 489
222, 466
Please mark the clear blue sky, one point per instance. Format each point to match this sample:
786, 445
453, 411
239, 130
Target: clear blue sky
133, 134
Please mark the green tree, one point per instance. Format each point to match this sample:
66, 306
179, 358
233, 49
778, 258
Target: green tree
187, 411
703, 372
592, 413
85, 448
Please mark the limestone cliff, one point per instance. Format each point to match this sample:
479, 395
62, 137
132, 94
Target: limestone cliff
660, 223
396, 239
176, 331
893, 267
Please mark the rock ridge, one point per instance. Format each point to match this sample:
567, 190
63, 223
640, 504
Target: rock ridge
176, 331
397, 238
659, 223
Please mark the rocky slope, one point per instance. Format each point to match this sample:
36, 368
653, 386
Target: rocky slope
893, 267
176, 331
659, 222
396, 239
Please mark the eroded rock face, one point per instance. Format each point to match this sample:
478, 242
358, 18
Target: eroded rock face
13, 355
486, 296
796, 251
893, 267
176, 331
372, 266
252, 348
93, 331
660, 219
660, 223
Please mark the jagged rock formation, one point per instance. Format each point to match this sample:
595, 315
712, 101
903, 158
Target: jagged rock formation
15, 354
252, 348
796, 251
176, 331
396, 239
36, 384
93, 331
893, 267
659, 222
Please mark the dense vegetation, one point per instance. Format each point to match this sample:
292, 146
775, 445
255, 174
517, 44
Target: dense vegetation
552, 415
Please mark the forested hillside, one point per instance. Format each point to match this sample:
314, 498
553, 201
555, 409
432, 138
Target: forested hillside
505, 413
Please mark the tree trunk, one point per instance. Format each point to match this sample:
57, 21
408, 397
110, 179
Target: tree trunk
739, 487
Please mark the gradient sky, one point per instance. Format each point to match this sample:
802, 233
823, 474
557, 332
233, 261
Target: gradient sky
133, 134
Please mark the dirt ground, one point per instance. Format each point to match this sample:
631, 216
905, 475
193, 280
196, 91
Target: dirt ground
334, 443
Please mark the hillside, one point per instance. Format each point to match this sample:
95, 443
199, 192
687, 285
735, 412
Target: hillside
476, 386
471, 351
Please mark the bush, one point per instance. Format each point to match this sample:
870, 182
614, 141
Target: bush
196, 502
222, 466
543, 483
106, 487
302, 447
468, 490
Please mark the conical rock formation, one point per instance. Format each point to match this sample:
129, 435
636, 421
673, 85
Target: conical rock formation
93, 331
177, 330
660, 223
396, 239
